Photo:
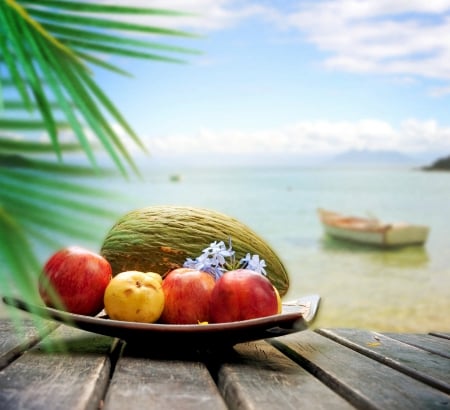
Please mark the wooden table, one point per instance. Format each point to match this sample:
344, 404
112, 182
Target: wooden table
322, 369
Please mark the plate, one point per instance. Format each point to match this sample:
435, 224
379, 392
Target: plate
295, 317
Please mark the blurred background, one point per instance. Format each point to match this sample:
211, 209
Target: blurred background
268, 111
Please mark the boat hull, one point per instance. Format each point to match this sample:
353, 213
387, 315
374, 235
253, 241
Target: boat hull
370, 232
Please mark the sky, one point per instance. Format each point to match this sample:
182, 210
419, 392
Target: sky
294, 77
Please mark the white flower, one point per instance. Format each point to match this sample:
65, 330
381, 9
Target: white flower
213, 260
253, 262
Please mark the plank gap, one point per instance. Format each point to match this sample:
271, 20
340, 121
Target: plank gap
326, 378
394, 363
440, 334
429, 343
364, 382
117, 349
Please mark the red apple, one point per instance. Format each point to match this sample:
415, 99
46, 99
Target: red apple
74, 279
187, 296
243, 294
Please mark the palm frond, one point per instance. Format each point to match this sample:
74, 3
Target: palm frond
65, 33
20, 124
58, 169
102, 8
49, 15
16, 274
21, 146
44, 204
10, 104
48, 50
47, 47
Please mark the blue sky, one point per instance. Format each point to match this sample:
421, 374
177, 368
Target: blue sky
308, 78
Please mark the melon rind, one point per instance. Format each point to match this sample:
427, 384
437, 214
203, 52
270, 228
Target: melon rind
160, 238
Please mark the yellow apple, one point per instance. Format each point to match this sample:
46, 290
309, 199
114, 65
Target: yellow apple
135, 297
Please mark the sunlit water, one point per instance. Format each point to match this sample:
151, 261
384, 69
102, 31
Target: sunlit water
406, 289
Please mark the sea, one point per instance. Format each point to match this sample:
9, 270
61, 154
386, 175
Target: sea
399, 290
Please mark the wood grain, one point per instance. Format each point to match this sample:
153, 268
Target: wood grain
420, 364
258, 376
440, 334
323, 369
366, 383
69, 370
150, 378
18, 336
430, 343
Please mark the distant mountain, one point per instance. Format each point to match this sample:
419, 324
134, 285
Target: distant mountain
373, 157
441, 164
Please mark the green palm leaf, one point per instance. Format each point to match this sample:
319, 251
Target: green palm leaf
47, 49
43, 66
20, 146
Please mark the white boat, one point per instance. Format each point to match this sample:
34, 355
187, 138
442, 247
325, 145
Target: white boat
371, 231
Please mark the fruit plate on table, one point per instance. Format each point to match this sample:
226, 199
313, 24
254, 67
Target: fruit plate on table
295, 316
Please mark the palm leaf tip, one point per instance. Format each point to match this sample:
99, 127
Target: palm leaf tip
91, 7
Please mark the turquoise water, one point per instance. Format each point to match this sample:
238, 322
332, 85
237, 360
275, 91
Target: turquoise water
406, 289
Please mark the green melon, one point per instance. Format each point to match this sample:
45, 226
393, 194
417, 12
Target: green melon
160, 238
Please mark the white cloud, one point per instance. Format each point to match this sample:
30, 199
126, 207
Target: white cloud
407, 37
401, 37
207, 15
310, 138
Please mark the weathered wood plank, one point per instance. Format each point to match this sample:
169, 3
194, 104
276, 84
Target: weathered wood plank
423, 365
161, 380
18, 336
440, 334
366, 383
258, 376
67, 370
430, 343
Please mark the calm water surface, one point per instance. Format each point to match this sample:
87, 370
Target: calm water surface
406, 289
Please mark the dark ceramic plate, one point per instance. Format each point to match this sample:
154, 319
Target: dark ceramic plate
295, 317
